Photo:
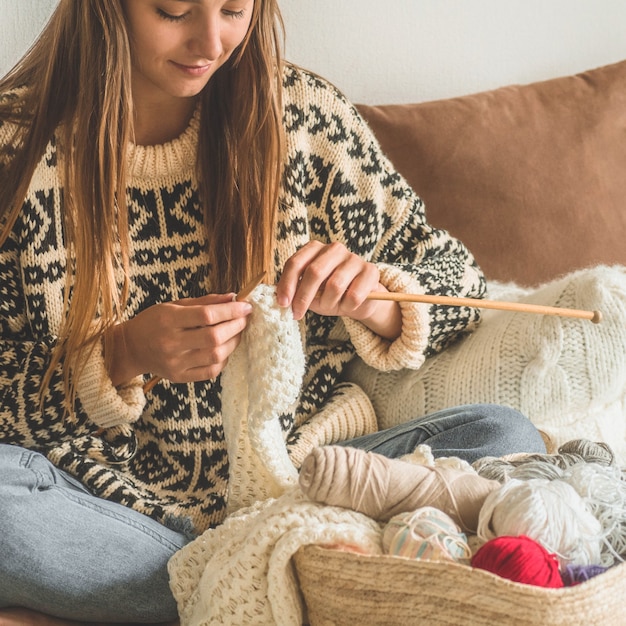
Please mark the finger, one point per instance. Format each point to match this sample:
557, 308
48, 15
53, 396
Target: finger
196, 316
347, 289
341, 288
319, 270
203, 351
292, 272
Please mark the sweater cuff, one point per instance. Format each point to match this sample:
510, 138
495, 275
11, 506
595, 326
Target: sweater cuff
407, 351
104, 404
348, 414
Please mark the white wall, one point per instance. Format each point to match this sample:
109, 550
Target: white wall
381, 51
412, 50
20, 22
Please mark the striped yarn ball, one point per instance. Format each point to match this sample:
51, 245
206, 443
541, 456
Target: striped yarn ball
427, 533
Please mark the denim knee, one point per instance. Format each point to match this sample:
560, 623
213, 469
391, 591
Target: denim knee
513, 431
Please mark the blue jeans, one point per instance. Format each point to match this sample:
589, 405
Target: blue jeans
67, 553
469, 432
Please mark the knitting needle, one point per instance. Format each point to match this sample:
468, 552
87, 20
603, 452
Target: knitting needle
521, 307
240, 297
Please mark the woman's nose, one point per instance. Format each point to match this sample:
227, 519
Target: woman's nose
207, 39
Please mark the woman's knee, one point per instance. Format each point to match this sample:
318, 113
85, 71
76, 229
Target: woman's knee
511, 428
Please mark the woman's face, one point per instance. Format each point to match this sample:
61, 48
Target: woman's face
177, 45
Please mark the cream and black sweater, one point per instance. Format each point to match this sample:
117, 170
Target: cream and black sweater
163, 453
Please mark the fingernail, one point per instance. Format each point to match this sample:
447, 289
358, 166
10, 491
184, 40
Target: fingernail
283, 301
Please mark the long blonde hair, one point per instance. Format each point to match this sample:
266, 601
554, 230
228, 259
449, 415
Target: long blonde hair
75, 82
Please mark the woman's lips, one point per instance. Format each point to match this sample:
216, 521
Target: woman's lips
192, 70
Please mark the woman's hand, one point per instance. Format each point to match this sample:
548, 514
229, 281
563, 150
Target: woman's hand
330, 280
183, 341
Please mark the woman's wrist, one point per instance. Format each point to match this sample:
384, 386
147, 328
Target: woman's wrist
386, 320
120, 365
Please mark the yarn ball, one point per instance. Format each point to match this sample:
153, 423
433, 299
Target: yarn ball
427, 533
603, 489
549, 466
576, 574
520, 559
549, 512
591, 451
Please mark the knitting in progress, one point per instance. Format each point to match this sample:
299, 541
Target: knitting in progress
261, 382
240, 572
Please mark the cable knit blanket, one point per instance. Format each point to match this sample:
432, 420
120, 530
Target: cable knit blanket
240, 573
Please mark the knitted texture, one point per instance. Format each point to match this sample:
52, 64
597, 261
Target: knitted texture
567, 375
260, 383
240, 574
164, 454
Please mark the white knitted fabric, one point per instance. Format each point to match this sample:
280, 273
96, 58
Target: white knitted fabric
240, 573
261, 381
567, 375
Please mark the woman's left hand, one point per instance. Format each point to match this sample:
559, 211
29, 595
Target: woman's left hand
330, 280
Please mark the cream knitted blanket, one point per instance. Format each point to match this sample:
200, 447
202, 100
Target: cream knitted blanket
240, 572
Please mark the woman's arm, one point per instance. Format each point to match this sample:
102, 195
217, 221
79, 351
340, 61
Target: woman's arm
355, 198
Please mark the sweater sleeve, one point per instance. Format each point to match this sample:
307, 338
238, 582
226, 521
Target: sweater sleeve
26, 346
369, 207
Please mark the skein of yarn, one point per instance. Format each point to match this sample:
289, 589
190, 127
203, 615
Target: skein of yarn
520, 559
549, 512
550, 466
603, 490
427, 533
381, 488
576, 574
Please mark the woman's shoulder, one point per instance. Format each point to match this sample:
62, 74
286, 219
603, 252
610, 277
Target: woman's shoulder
11, 112
12, 101
305, 88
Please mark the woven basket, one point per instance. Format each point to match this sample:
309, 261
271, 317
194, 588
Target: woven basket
353, 589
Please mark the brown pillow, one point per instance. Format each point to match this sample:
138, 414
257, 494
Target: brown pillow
531, 178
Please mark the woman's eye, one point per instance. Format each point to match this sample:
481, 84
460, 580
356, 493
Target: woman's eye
172, 18
235, 14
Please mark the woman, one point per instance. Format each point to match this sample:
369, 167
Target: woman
156, 155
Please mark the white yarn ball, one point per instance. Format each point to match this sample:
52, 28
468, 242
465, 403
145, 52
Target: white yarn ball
603, 489
550, 512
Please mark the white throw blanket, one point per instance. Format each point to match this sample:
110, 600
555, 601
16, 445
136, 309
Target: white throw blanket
240, 573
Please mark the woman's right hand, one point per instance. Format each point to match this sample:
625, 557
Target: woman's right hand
184, 341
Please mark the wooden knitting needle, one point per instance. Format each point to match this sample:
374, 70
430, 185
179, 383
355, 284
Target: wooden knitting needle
240, 297
520, 307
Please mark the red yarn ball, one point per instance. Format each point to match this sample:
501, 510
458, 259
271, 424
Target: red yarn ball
520, 559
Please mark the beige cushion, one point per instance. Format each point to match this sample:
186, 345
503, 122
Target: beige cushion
532, 178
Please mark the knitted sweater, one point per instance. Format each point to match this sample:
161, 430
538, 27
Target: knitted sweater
163, 453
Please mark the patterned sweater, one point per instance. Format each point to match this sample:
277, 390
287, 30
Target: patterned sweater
163, 452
